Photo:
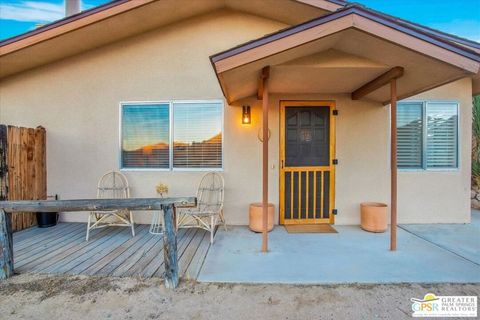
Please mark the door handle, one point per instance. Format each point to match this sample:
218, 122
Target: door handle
282, 164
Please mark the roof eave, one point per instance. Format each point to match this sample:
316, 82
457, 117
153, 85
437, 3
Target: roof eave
103, 12
352, 9
69, 24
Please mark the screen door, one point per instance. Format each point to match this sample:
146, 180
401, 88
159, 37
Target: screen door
306, 162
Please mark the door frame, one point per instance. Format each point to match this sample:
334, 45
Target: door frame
307, 103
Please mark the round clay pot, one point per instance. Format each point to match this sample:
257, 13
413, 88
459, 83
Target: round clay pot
256, 217
373, 216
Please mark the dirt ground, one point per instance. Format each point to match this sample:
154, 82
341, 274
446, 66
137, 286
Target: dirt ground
78, 297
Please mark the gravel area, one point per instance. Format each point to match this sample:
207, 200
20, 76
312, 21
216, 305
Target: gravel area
33, 296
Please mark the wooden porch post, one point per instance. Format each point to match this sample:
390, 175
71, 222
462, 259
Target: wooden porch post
264, 94
391, 77
170, 257
6, 245
393, 162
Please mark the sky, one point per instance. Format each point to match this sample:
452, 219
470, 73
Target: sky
19, 16
459, 17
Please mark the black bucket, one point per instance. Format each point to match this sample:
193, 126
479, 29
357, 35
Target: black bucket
47, 219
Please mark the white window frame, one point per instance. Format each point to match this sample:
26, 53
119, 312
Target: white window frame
171, 138
424, 167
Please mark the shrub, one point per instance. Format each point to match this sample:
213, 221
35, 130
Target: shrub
476, 141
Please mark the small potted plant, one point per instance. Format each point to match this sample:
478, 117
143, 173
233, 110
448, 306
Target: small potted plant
162, 189
157, 220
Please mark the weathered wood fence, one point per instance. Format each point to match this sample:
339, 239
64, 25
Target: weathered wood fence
3, 163
23, 173
7, 208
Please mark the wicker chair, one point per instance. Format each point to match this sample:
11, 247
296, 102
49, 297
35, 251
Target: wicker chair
209, 210
112, 185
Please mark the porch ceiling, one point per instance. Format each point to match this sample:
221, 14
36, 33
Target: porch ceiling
339, 53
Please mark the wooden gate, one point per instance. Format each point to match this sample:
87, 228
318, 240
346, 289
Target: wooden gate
23, 174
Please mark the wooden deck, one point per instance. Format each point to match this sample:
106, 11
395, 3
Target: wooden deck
110, 252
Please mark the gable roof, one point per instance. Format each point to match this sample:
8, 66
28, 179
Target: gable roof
120, 19
104, 15
430, 60
115, 7
433, 36
108, 10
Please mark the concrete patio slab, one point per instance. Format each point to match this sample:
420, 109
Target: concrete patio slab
350, 256
462, 239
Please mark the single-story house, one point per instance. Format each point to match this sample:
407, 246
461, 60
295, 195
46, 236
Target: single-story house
166, 90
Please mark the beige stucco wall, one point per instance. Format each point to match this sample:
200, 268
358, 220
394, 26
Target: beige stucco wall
77, 101
441, 196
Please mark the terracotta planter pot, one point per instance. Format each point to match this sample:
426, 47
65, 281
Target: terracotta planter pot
256, 217
373, 216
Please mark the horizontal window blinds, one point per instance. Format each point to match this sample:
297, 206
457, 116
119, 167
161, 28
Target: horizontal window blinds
427, 135
145, 136
410, 135
196, 140
442, 122
197, 133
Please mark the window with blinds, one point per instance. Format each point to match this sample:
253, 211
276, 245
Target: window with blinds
410, 135
145, 136
442, 135
197, 133
427, 135
172, 135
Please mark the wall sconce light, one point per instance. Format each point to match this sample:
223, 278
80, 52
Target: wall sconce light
246, 115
